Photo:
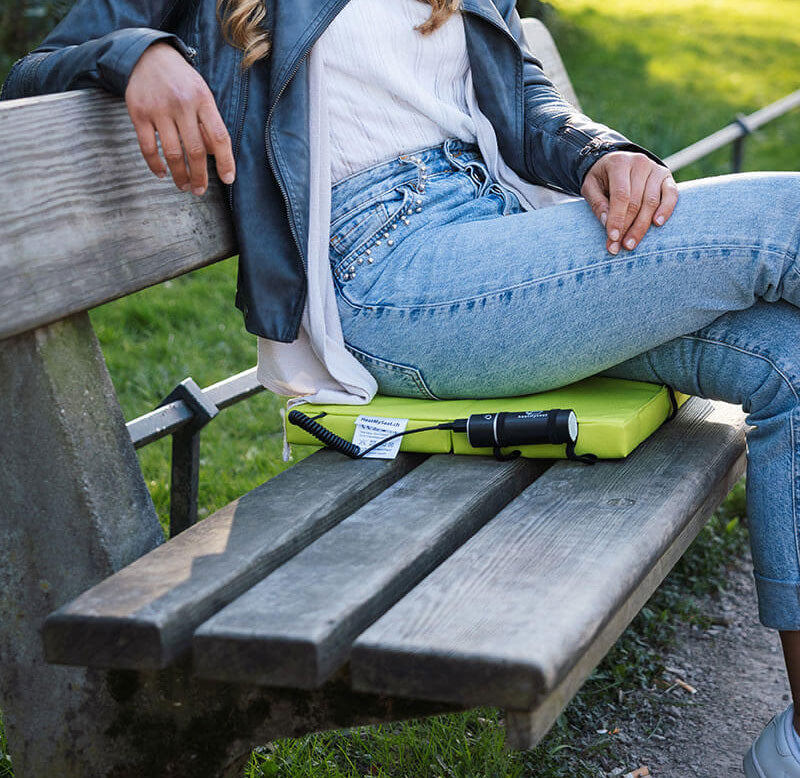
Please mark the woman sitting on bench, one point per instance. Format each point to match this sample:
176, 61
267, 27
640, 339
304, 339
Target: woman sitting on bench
420, 212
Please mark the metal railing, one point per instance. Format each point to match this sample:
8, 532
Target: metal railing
183, 414
188, 408
736, 133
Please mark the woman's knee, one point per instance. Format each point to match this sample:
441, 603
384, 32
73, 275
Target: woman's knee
749, 358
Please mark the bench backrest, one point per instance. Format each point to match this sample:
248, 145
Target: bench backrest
86, 222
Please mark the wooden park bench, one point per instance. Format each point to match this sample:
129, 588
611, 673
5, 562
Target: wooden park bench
336, 593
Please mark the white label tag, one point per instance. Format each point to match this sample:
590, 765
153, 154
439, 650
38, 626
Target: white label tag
371, 429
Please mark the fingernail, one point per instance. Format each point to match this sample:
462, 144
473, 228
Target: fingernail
228, 178
630, 243
198, 190
659, 220
603, 218
614, 248
161, 174
614, 235
186, 187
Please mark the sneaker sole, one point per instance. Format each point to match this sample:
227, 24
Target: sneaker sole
751, 766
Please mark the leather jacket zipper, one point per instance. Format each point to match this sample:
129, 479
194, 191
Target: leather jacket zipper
580, 140
335, 8
240, 128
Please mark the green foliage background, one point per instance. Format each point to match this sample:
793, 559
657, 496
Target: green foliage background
23, 23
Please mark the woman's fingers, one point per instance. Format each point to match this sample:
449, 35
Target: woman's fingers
595, 195
194, 147
639, 172
172, 150
639, 193
619, 198
669, 199
650, 200
168, 96
218, 141
146, 134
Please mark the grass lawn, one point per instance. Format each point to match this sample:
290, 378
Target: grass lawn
663, 74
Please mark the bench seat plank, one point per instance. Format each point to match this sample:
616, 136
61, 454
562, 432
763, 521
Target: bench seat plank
503, 620
296, 627
143, 617
525, 729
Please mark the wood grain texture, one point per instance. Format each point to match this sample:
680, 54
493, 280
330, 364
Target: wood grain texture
84, 220
543, 47
525, 729
143, 616
503, 620
296, 627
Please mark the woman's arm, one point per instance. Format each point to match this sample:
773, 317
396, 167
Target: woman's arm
98, 43
121, 46
628, 187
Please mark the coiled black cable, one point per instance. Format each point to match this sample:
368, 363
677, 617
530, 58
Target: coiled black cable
343, 446
482, 430
330, 439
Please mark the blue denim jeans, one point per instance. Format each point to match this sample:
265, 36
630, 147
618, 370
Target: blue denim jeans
447, 288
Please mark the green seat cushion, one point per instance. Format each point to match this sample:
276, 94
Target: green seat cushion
614, 416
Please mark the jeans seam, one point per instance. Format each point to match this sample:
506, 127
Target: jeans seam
409, 371
573, 271
786, 380
792, 255
749, 353
794, 487
371, 200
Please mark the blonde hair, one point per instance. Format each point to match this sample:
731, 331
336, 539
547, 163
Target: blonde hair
241, 22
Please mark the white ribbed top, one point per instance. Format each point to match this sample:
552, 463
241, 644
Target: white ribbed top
391, 89
317, 368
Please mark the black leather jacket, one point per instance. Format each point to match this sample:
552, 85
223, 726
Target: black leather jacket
541, 136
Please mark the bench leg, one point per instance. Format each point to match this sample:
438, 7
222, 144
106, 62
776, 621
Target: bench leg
74, 510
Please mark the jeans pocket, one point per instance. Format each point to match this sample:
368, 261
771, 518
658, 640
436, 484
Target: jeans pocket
367, 228
394, 378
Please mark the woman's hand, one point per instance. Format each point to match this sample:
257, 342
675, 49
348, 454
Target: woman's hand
628, 192
166, 95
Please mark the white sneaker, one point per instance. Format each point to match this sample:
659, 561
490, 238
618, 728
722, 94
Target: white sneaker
772, 755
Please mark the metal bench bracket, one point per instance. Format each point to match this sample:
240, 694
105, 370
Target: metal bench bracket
186, 454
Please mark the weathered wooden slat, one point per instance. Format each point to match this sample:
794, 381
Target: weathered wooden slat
296, 627
143, 616
88, 222
543, 47
84, 220
504, 619
525, 729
